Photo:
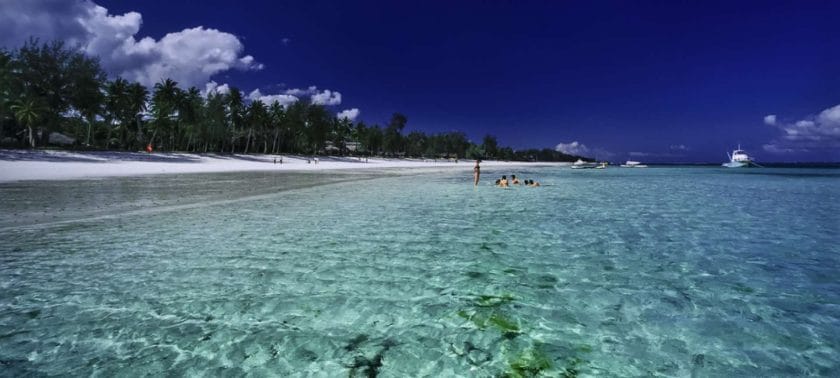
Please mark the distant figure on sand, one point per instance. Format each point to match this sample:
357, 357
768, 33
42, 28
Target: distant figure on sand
476, 172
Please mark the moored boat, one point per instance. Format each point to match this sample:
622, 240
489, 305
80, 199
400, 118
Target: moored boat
580, 164
633, 164
739, 159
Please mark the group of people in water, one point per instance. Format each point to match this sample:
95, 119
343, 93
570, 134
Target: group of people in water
505, 183
502, 182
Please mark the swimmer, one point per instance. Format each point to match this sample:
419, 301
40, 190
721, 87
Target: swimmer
503, 183
476, 172
514, 180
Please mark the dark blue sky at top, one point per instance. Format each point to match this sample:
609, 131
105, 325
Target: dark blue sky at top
618, 77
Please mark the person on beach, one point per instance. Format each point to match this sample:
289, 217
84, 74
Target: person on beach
476, 172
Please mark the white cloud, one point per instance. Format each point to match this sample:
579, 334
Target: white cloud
190, 56
302, 92
349, 114
326, 97
639, 154
770, 119
214, 87
811, 134
573, 148
678, 147
289, 96
283, 99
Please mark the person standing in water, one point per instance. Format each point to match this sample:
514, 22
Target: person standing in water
476, 172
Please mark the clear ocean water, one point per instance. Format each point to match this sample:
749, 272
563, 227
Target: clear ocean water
617, 272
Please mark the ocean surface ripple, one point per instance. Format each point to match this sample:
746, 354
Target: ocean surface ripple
616, 272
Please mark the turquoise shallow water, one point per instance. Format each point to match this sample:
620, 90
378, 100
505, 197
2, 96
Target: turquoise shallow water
620, 272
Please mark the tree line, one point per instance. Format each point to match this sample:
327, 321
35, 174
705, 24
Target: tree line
49, 92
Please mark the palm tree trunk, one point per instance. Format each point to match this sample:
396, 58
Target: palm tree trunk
248, 141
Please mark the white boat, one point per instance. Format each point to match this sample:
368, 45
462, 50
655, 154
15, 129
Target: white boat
633, 164
739, 159
601, 166
580, 164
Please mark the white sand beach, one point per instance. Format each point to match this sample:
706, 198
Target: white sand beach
23, 165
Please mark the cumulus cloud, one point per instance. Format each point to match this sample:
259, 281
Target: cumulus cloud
811, 134
214, 87
770, 119
283, 99
190, 56
579, 149
326, 97
302, 92
573, 148
349, 114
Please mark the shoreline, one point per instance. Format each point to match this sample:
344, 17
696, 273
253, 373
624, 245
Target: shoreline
40, 165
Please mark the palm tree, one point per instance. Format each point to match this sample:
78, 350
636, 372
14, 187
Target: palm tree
255, 118
136, 98
318, 126
115, 108
190, 111
235, 114
277, 117
164, 105
85, 79
5, 87
215, 118
28, 111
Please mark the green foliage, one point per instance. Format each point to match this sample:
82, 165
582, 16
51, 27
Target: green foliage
54, 88
490, 146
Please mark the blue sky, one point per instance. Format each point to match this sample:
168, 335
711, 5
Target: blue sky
649, 81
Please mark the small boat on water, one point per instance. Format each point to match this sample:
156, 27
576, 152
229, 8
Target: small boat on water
739, 159
603, 165
633, 164
580, 164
